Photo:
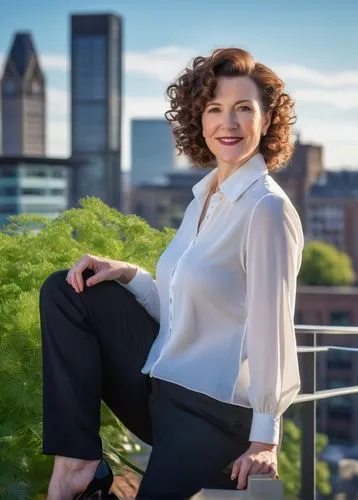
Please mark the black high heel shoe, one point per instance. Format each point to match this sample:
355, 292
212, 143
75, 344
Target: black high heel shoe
100, 485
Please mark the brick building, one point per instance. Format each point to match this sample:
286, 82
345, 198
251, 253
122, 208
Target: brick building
300, 175
333, 212
335, 306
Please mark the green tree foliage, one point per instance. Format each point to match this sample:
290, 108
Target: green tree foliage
289, 461
31, 248
324, 265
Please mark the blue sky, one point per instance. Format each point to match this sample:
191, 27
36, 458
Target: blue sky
311, 44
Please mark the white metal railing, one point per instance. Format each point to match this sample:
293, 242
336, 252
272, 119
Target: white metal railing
265, 488
309, 396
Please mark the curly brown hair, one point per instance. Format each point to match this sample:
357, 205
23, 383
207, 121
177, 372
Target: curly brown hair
195, 87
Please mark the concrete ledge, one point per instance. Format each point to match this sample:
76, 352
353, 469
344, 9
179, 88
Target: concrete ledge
260, 487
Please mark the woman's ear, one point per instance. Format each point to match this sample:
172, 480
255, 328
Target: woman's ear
266, 122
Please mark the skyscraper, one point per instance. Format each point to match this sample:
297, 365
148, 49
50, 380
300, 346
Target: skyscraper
96, 77
152, 150
23, 107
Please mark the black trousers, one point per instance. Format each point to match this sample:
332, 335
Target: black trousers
94, 345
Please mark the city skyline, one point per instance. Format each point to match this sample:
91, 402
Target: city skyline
311, 47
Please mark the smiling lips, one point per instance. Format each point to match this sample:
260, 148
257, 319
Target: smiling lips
229, 141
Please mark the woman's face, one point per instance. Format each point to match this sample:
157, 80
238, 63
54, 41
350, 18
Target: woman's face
234, 121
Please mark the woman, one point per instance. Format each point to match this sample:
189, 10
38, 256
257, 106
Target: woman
202, 362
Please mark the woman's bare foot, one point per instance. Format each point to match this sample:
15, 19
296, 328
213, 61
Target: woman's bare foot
70, 477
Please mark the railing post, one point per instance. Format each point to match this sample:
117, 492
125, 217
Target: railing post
308, 424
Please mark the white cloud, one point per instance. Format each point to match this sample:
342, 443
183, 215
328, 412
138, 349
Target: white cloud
331, 79
163, 63
58, 122
338, 155
48, 61
345, 99
339, 139
58, 137
328, 131
54, 62
58, 102
144, 106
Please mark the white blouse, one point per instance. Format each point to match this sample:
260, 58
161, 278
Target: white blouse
225, 298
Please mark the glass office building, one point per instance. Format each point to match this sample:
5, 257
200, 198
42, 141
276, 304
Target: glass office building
96, 75
36, 185
153, 150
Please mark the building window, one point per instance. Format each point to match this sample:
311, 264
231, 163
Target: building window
326, 223
91, 178
9, 86
8, 172
340, 318
89, 60
57, 192
8, 208
90, 128
340, 360
35, 172
340, 407
8, 191
338, 436
32, 191
162, 208
115, 87
57, 173
42, 208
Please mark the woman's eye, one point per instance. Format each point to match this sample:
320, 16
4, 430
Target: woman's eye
213, 110
244, 108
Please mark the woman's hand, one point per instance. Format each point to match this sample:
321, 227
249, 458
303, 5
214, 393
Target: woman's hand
260, 458
104, 269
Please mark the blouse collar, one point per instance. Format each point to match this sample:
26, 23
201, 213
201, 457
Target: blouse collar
238, 182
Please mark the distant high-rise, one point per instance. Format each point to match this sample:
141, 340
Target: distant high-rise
23, 98
96, 78
153, 150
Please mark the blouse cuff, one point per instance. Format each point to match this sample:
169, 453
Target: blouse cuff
265, 428
140, 285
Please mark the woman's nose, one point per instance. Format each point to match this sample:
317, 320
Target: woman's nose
229, 120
